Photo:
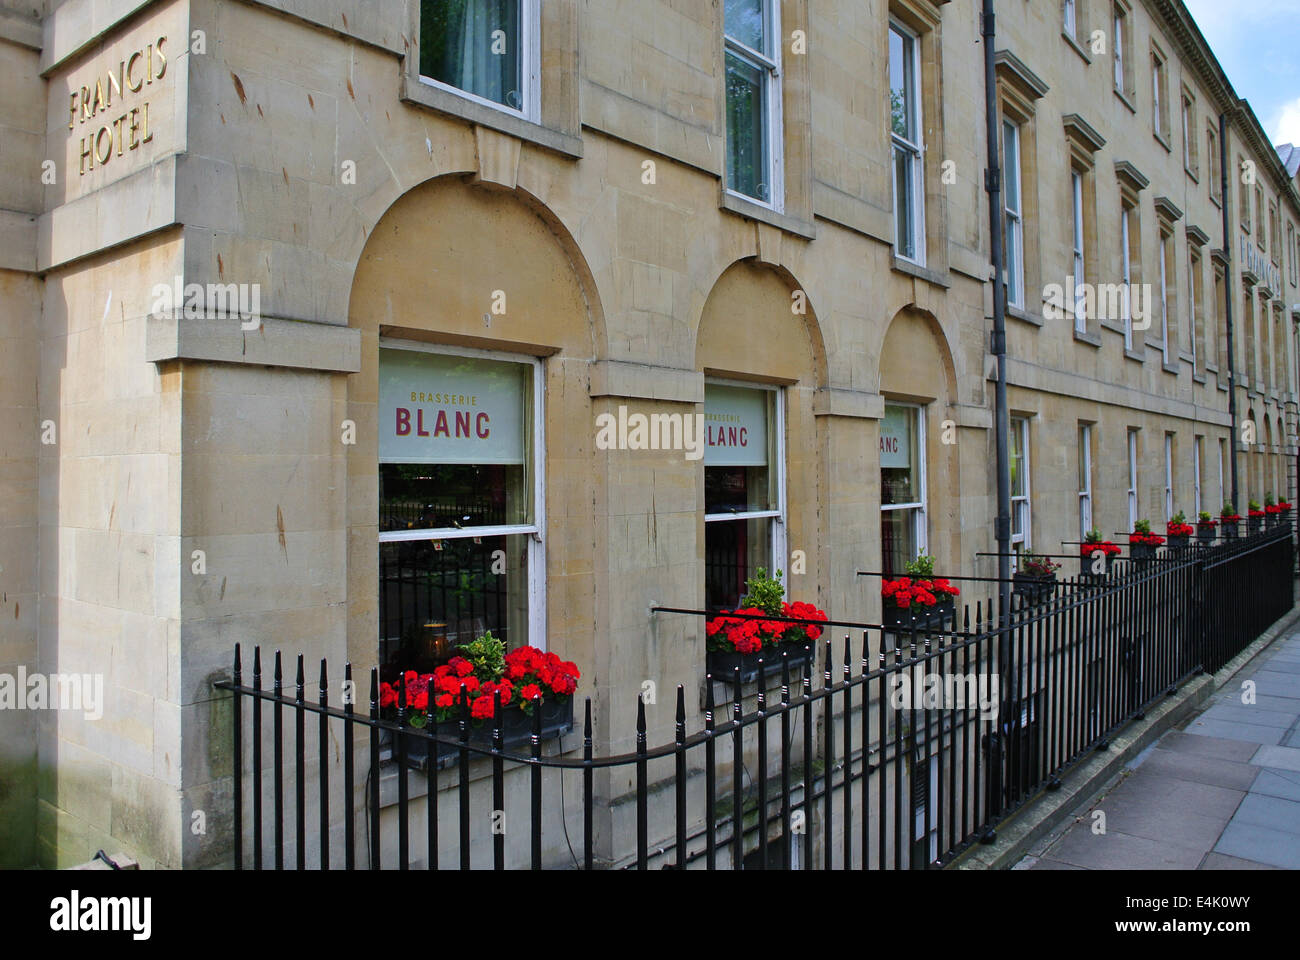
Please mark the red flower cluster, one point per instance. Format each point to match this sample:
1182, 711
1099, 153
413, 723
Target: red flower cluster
1274, 509
727, 634
1256, 513
1283, 506
1180, 529
1209, 523
1101, 546
1230, 518
904, 591
731, 634
529, 668
529, 674
1147, 539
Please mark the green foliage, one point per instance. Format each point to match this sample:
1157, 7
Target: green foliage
1094, 536
764, 592
1204, 516
1254, 505
1268, 500
1142, 526
1035, 566
1229, 509
922, 566
488, 655
1179, 517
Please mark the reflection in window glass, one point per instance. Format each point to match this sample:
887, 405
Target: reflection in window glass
474, 45
747, 157
902, 487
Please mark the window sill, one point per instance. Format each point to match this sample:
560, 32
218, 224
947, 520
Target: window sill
1162, 140
1212, 368
756, 211
1136, 356
444, 101
1199, 378
1214, 198
1170, 368
1112, 327
1077, 47
1123, 98
1194, 175
900, 265
1091, 339
1024, 316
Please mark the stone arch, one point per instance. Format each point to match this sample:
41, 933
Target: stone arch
432, 270
915, 359
747, 324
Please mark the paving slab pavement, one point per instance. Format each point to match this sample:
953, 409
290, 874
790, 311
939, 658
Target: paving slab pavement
1223, 793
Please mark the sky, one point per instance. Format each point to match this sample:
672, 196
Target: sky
1258, 45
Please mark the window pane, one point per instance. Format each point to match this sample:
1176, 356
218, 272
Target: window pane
1017, 458
897, 540
1083, 461
747, 161
1011, 147
733, 551
437, 594
1012, 244
743, 21
900, 471
460, 45
425, 496
902, 79
904, 206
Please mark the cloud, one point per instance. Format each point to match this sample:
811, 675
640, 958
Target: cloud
1285, 127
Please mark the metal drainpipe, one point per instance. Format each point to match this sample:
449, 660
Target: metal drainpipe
1229, 284
998, 346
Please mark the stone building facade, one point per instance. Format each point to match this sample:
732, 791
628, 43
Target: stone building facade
279, 278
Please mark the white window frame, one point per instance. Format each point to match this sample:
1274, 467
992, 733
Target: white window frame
920, 518
530, 60
1014, 215
1223, 489
1071, 20
1127, 267
536, 530
1022, 504
1166, 241
1197, 452
1191, 304
1187, 132
774, 131
1085, 495
1120, 77
917, 151
778, 516
1132, 478
1080, 265
1157, 66
1169, 477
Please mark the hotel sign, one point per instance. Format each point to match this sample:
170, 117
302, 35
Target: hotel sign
111, 107
1257, 263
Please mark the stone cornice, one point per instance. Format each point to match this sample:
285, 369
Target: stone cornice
1012, 69
1083, 133
1131, 176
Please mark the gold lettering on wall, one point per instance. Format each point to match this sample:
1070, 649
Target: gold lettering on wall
129, 130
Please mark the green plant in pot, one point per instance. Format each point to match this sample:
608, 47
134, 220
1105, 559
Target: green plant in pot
1255, 516
1142, 543
1205, 527
1096, 554
1035, 580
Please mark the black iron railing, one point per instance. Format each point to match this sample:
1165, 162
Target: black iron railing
909, 744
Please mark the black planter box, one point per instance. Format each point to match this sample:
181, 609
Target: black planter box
516, 729
1142, 552
1255, 525
1035, 588
1177, 541
1205, 534
722, 665
1086, 560
924, 619
1228, 529
1270, 520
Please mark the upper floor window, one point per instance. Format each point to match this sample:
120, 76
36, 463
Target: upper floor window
905, 129
1260, 237
753, 68
1123, 82
486, 50
1076, 238
1212, 157
1015, 228
1274, 235
1071, 19
1159, 97
1243, 193
1191, 159
1126, 245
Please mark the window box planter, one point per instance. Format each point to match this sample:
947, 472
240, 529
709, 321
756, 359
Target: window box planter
1035, 588
1142, 552
1230, 527
1255, 523
924, 619
1205, 533
1087, 557
722, 664
516, 731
